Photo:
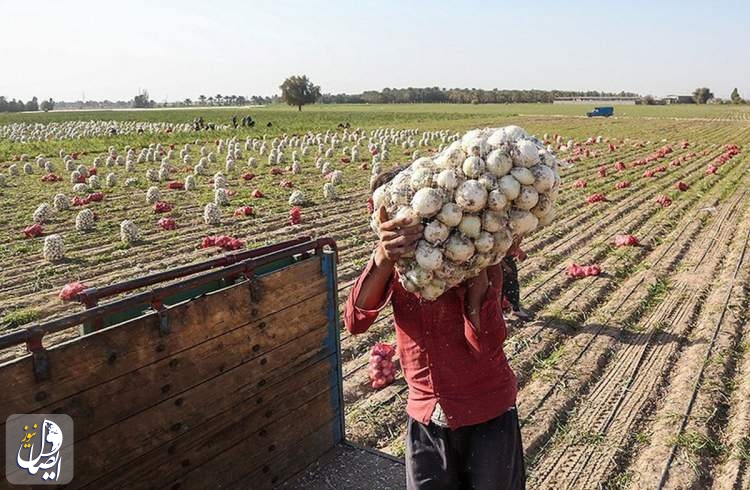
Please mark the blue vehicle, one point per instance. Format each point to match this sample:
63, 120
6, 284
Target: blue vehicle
601, 111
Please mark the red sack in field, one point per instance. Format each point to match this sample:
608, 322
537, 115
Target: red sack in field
602, 171
167, 223
580, 271
51, 178
243, 211
162, 207
664, 200
620, 166
682, 186
176, 185
287, 184
276, 171
711, 169
295, 215
597, 197
33, 231
71, 290
623, 185
626, 241
95, 197
257, 193
381, 369
248, 176
580, 184
222, 241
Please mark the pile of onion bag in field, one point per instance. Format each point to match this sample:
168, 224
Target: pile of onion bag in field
473, 198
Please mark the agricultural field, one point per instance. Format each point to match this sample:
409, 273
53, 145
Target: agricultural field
636, 377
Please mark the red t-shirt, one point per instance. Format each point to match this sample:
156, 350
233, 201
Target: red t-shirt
442, 356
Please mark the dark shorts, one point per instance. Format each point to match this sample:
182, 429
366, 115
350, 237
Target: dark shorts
481, 457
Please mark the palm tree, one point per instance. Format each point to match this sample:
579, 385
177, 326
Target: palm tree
210, 100
202, 99
218, 98
188, 102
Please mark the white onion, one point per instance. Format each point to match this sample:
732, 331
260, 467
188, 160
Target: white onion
428, 257
499, 163
484, 242
528, 153
447, 179
470, 225
497, 201
459, 249
427, 202
527, 199
493, 221
436, 232
509, 186
522, 175
450, 214
544, 177
521, 221
471, 196
473, 166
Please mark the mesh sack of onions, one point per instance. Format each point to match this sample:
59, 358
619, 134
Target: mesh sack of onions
382, 370
473, 198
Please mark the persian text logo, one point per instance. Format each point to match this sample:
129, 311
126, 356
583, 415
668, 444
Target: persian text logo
39, 449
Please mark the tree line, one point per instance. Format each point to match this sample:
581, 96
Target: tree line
14, 105
412, 95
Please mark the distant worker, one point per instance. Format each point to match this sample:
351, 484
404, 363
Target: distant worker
234, 121
269, 124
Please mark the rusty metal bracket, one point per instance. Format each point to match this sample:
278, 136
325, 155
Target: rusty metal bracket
255, 290
39, 354
252, 282
163, 314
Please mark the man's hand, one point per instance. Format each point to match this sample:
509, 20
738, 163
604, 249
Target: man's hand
397, 236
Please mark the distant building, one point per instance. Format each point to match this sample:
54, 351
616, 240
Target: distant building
614, 100
679, 99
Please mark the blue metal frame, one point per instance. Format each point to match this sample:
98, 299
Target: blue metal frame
328, 266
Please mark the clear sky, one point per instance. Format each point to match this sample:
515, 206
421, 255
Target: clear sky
178, 49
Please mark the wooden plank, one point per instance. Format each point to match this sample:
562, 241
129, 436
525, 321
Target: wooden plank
289, 462
258, 451
176, 414
87, 361
308, 340
204, 442
102, 405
